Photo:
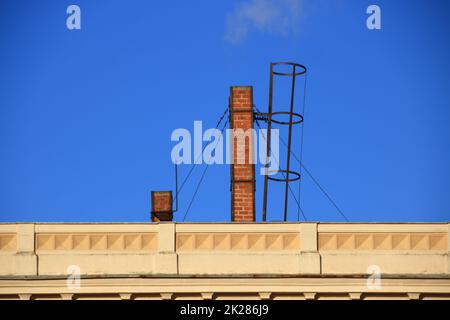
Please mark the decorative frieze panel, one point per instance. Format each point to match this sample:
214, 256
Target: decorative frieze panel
97, 242
238, 242
383, 241
8, 242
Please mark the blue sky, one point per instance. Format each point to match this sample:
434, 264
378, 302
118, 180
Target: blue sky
86, 115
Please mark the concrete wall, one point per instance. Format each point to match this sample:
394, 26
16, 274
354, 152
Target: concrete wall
43, 249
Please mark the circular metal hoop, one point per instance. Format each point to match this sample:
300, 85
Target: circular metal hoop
298, 115
296, 174
298, 73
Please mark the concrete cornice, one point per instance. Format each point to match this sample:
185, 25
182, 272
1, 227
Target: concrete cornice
304, 257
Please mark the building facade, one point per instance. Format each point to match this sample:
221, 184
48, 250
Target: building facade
169, 260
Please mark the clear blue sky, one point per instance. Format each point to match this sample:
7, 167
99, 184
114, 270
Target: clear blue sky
86, 115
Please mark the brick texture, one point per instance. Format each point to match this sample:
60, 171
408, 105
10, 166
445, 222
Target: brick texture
162, 206
242, 168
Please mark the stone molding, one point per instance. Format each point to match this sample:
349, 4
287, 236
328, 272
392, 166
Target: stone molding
224, 248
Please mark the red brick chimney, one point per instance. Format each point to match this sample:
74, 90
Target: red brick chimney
162, 206
242, 164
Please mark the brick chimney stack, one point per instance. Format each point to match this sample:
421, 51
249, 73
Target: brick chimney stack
242, 171
162, 206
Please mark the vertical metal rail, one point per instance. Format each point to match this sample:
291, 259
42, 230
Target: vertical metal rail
269, 124
288, 161
176, 188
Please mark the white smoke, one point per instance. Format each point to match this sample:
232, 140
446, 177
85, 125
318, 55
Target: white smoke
279, 17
